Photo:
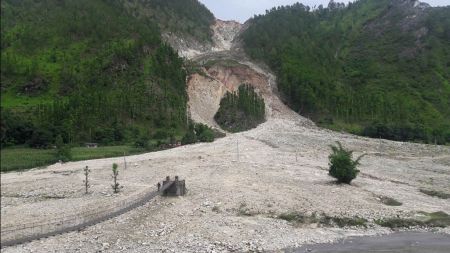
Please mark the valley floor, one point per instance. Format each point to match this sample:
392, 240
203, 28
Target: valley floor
233, 202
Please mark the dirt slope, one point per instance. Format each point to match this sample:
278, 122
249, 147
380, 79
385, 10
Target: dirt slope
233, 200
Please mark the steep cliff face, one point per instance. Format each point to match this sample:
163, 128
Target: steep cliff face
205, 94
206, 91
224, 33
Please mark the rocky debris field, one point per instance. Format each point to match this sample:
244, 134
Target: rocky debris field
239, 186
233, 203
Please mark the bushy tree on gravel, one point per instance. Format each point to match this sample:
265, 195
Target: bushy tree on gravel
342, 166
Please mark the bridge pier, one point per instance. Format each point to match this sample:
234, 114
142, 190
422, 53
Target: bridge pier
173, 188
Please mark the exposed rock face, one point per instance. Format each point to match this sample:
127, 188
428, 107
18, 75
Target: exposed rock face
187, 47
224, 34
419, 5
206, 92
233, 77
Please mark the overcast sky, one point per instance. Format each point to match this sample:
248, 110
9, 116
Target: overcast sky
241, 10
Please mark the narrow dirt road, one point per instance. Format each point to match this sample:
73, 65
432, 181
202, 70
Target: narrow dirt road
238, 185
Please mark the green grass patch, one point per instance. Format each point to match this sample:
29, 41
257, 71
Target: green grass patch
398, 223
345, 221
223, 63
298, 217
340, 126
438, 194
390, 201
83, 153
11, 100
27, 158
436, 219
324, 220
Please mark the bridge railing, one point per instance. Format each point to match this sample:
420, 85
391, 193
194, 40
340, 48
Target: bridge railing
16, 234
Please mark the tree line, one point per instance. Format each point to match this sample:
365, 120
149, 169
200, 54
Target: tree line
241, 110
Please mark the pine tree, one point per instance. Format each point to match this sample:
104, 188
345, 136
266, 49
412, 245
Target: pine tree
115, 174
87, 185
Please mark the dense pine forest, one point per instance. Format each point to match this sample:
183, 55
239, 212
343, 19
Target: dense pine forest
380, 68
241, 110
92, 71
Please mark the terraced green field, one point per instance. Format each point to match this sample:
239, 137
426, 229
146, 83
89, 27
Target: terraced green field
26, 158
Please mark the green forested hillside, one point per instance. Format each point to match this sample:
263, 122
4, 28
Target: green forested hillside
90, 71
377, 67
183, 17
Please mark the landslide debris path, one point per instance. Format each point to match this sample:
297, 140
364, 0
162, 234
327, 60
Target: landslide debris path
226, 67
233, 203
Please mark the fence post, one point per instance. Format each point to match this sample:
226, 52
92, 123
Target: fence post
237, 149
124, 161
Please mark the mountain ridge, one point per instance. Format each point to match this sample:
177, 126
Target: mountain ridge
340, 65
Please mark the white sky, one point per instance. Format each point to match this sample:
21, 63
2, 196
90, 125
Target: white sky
241, 10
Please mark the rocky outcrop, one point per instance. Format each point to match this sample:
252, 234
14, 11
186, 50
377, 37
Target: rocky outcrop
222, 40
224, 34
204, 94
206, 91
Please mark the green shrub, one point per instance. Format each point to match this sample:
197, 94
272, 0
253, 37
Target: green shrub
390, 201
399, 223
325, 220
41, 138
436, 219
293, 217
115, 173
198, 132
204, 133
189, 138
348, 222
144, 143
342, 166
438, 194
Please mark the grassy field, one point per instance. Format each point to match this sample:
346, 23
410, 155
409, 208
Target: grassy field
27, 158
